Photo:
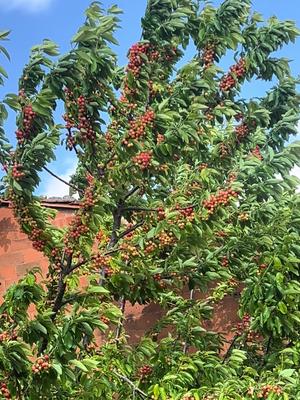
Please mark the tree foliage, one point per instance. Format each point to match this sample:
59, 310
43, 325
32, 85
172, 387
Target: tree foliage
182, 183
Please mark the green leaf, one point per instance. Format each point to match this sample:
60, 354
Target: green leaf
282, 307
98, 290
79, 365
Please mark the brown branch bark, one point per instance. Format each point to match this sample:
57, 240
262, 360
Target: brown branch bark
129, 230
131, 192
133, 208
227, 354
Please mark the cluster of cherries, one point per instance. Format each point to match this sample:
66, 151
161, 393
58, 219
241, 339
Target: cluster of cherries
256, 153
69, 121
244, 216
35, 236
144, 372
28, 119
244, 325
77, 228
84, 122
101, 237
165, 239
56, 256
224, 150
138, 126
36, 233
161, 214
126, 94
185, 214
221, 198
88, 200
109, 139
203, 166
135, 57
224, 261
5, 336
42, 364
105, 320
128, 251
102, 262
242, 130
151, 247
230, 80
188, 213
209, 55
17, 172
232, 177
143, 160
5, 391
138, 50
266, 390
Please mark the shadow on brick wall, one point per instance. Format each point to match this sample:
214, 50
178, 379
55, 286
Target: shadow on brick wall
7, 225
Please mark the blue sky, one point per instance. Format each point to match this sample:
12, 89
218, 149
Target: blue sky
33, 20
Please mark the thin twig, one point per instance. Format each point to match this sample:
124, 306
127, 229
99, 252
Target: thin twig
62, 180
129, 230
133, 208
121, 320
229, 349
135, 388
131, 192
81, 263
186, 345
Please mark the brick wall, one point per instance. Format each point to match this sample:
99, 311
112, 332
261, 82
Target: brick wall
17, 256
16, 253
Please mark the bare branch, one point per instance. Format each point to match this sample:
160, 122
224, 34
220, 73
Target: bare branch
121, 320
129, 230
227, 354
131, 192
186, 345
63, 181
130, 383
133, 208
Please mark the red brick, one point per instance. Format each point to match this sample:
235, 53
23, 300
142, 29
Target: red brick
7, 272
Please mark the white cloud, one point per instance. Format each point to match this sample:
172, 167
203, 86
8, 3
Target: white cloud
52, 187
25, 5
296, 171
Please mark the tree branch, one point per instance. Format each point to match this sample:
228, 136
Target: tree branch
129, 230
62, 180
133, 208
117, 216
131, 192
229, 349
130, 383
120, 324
186, 345
61, 288
81, 263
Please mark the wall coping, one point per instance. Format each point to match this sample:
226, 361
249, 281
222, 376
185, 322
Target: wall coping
56, 203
